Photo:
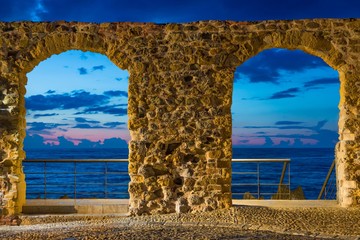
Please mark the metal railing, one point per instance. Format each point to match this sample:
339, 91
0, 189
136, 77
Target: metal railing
71, 186
282, 187
77, 172
328, 190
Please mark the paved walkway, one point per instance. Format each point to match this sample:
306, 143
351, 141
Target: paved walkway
287, 203
108, 206
277, 221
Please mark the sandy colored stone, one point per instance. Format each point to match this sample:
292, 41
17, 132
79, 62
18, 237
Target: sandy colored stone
179, 100
238, 222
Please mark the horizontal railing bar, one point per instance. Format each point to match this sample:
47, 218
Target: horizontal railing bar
81, 184
80, 173
274, 184
242, 193
73, 172
55, 185
262, 160
76, 160
117, 184
244, 184
84, 193
275, 193
126, 160
244, 173
255, 193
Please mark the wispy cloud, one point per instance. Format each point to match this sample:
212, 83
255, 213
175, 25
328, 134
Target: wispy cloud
116, 93
75, 99
83, 56
316, 134
268, 65
50, 92
86, 126
45, 115
289, 93
84, 120
82, 71
38, 10
287, 123
110, 109
99, 67
39, 126
114, 124
37, 141
322, 81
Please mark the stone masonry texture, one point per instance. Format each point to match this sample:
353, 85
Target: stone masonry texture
180, 93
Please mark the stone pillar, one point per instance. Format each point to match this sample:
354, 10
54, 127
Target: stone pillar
180, 125
180, 91
347, 150
12, 183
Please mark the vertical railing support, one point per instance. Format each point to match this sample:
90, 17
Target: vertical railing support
106, 178
44, 180
258, 179
326, 179
74, 180
282, 178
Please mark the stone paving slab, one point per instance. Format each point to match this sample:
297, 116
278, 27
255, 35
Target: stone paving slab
238, 222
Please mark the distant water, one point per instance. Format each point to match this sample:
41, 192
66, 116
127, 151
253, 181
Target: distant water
308, 169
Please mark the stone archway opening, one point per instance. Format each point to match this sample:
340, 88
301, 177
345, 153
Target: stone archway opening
76, 108
285, 105
180, 92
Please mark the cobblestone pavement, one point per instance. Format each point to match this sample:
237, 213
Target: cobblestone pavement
236, 223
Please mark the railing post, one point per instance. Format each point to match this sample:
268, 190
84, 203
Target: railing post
289, 181
106, 175
326, 180
282, 178
258, 178
44, 180
74, 180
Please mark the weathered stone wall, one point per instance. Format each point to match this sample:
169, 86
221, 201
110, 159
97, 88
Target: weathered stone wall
180, 91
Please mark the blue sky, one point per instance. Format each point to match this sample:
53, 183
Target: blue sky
285, 98
163, 11
281, 98
77, 99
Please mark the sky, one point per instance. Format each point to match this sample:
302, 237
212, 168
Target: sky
281, 98
76, 99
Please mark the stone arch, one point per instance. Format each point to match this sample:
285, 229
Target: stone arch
268, 56
323, 48
179, 101
55, 43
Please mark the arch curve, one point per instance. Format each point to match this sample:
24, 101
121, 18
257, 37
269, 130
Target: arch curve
179, 98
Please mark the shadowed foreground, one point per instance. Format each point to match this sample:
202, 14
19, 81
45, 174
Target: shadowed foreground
239, 222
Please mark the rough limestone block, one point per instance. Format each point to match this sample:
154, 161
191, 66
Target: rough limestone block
179, 100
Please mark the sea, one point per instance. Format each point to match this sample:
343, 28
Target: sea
81, 179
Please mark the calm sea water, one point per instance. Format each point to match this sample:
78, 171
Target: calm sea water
308, 169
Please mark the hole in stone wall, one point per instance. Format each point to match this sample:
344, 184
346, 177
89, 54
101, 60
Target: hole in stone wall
206, 36
76, 105
178, 181
171, 148
188, 79
285, 106
190, 158
209, 140
194, 66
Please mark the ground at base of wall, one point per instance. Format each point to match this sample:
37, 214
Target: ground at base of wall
239, 222
10, 220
